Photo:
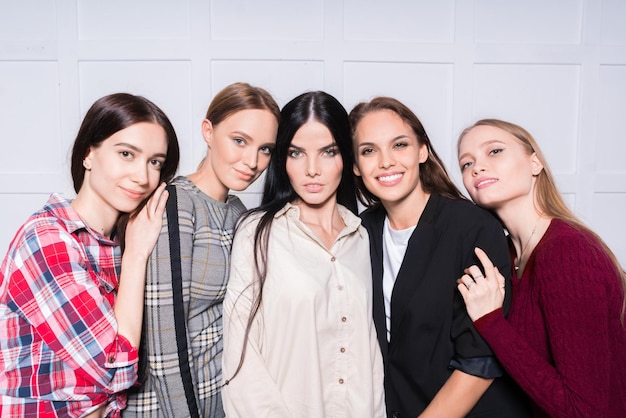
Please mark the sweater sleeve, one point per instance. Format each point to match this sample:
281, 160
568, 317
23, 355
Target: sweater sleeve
252, 392
574, 382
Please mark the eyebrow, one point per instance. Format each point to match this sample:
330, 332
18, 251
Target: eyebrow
137, 149
369, 144
483, 145
324, 148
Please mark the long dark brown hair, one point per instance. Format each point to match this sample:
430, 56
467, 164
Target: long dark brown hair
433, 175
111, 114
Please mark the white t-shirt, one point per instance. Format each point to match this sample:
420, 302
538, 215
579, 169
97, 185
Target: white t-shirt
394, 248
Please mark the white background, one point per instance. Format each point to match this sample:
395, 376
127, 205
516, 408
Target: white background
556, 67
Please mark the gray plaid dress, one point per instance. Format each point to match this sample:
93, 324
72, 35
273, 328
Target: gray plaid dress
206, 235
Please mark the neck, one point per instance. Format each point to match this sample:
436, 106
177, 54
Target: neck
206, 180
324, 220
407, 212
96, 216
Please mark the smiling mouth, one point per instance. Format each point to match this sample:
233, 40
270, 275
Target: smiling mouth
389, 178
485, 182
245, 176
133, 194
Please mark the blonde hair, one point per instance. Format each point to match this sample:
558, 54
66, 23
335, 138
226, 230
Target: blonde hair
547, 196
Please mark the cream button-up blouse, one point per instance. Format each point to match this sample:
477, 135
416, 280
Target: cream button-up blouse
312, 349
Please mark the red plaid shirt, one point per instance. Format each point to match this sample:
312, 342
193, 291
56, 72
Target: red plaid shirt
60, 354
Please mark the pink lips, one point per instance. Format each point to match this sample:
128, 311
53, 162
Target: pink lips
133, 194
244, 176
313, 187
389, 179
484, 182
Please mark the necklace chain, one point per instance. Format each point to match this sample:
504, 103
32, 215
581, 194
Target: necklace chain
519, 259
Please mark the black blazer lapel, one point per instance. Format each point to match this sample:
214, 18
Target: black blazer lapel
415, 263
375, 227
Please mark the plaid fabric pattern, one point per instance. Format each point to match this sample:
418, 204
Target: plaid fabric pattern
60, 355
206, 234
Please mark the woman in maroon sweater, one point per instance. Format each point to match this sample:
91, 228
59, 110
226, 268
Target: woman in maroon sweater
564, 339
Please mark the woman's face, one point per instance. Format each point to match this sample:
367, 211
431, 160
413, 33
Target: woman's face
314, 165
125, 168
388, 155
496, 167
240, 147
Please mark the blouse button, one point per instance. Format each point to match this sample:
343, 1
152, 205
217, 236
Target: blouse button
111, 359
344, 319
340, 287
342, 349
341, 381
332, 258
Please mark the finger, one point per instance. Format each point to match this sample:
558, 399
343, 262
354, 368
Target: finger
475, 273
462, 289
155, 200
485, 261
160, 207
467, 281
501, 280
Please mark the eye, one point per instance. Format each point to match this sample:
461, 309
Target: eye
293, 153
398, 145
156, 164
126, 154
496, 151
466, 165
266, 150
366, 151
331, 152
239, 140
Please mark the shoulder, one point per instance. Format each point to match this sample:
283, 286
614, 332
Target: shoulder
372, 215
463, 214
564, 244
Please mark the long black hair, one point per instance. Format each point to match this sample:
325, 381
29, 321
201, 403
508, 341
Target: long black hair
312, 106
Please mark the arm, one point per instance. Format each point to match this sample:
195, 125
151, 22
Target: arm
141, 235
575, 381
457, 396
57, 292
252, 392
474, 362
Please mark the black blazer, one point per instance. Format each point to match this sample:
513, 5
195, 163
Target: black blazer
431, 333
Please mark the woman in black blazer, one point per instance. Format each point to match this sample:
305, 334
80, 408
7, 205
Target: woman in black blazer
422, 237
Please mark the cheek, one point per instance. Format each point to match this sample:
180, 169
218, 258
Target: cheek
263, 162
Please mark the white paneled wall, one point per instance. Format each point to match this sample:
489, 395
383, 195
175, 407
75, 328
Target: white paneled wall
557, 67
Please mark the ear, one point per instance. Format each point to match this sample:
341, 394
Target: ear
88, 159
355, 170
535, 164
207, 132
422, 154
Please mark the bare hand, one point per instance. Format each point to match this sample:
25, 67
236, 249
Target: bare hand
482, 293
143, 230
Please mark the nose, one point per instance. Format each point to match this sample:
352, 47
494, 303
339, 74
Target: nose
251, 158
477, 167
312, 167
140, 173
386, 159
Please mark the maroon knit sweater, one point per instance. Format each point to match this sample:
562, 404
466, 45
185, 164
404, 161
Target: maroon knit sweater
563, 341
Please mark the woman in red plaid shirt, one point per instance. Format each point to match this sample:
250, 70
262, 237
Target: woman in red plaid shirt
70, 303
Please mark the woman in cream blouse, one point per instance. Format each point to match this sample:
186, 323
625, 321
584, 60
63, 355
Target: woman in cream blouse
299, 340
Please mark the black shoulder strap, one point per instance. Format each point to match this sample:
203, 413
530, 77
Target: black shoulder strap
180, 323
